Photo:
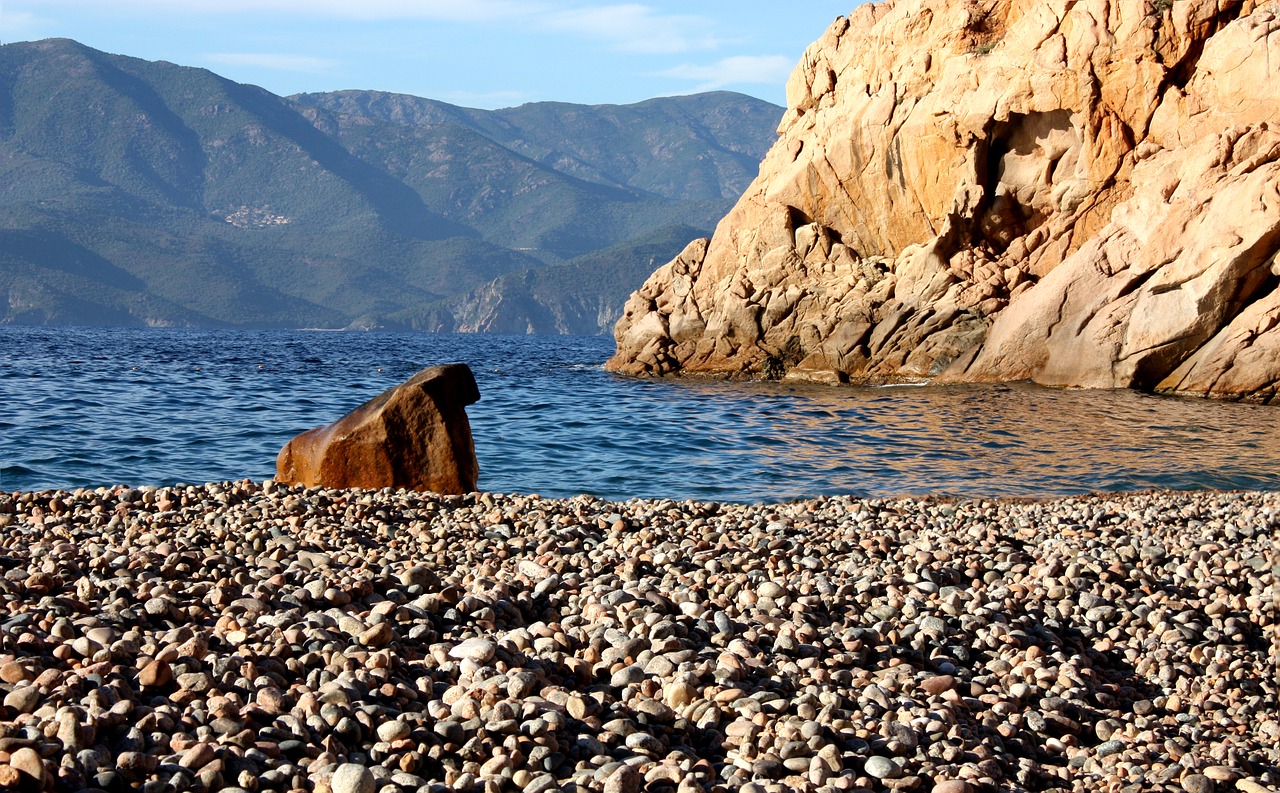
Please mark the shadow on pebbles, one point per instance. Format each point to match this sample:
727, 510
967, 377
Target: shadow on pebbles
244, 636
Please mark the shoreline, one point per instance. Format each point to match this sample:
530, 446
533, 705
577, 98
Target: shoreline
116, 489
251, 636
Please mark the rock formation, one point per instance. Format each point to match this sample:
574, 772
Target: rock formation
414, 436
1079, 193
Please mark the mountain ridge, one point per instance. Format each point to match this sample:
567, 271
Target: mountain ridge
143, 192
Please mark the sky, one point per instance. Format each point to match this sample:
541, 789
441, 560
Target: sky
476, 53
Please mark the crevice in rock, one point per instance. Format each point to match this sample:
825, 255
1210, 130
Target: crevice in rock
987, 156
1159, 360
1160, 346
776, 365
1141, 278
1261, 280
1252, 286
796, 218
894, 169
1181, 72
983, 29
1019, 165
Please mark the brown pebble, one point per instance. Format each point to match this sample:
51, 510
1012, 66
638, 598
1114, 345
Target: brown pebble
377, 636
1221, 773
22, 699
1198, 783
938, 684
197, 756
14, 672
28, 762
155, 674
39, 584
132, 761
271, 700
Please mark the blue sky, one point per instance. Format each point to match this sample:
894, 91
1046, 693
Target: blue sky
477, 53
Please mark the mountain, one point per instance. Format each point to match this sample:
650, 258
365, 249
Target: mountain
582, 297
1083, 195
702, 147
136, 192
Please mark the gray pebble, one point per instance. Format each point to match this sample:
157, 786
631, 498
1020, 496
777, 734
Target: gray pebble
882, 767
352, 778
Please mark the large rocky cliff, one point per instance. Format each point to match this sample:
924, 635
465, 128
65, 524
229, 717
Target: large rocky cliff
1078, 192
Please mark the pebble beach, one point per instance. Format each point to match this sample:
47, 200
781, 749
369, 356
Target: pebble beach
247, 636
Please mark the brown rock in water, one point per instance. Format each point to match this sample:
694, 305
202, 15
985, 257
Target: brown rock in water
414, 436
1082, 194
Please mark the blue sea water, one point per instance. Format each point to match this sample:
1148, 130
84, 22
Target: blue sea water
83, 407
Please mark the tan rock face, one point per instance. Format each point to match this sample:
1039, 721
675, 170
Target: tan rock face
1080, 193
414, 436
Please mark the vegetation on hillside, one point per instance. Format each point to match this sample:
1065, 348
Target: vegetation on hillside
135, 192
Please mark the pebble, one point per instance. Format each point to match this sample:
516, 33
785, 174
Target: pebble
14, 672
256, 636
352, 778
393, 731
882, 767
1221, 773
477, 650
646, 743
1107, 748
626, 676
197, 756
770, 589
1198, 783
22, 699
155, 674
624, 780
938, 684
27, 762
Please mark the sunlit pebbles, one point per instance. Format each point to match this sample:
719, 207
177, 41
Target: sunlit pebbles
246, 637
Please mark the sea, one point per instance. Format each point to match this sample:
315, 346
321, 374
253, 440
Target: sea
91, 407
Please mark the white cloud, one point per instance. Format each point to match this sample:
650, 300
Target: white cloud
461, 10
636, 28
735, 70
17, 24
278, 61
630, 27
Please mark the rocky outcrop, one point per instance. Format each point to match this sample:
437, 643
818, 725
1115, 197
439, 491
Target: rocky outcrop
413, 436
1078, 193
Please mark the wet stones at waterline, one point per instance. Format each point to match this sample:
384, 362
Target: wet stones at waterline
414, 436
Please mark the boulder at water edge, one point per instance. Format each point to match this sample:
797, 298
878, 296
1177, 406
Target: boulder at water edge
415, 436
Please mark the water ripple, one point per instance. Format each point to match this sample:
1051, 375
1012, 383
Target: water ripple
87, 407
